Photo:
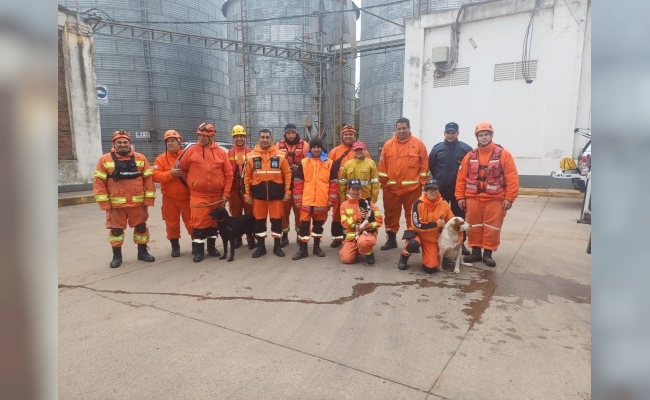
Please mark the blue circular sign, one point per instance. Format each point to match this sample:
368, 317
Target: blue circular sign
101, 92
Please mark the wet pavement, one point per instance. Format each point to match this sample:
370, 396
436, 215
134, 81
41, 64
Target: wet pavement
274, 328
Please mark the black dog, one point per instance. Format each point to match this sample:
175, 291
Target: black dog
231, 228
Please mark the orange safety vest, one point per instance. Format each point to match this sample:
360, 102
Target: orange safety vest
492, 176
237, 160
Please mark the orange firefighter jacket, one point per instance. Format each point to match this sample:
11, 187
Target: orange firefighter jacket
364, 170
170, 186
315, 183
508, 168
338, 152
267, 175
403, 165
237, 157
110, 193
351, 217
426, 213
207, 170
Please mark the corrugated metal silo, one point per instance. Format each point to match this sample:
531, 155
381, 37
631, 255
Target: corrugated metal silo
153, 86
269, 92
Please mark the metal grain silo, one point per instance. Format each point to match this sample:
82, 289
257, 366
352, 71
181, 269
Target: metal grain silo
382, 73
268, 92
153, 86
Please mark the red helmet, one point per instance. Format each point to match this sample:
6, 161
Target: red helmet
172, 134
206, 129
348, 128
483, 126
121, 134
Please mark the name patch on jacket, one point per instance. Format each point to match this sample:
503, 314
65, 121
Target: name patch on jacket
275, 162
257, 162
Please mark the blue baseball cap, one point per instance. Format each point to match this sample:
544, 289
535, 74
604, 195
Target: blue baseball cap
452, 126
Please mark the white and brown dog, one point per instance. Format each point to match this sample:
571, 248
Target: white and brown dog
450, 243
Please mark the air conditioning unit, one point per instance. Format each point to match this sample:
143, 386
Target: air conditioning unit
440, 54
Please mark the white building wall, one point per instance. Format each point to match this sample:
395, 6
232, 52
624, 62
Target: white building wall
534, 121
82, 101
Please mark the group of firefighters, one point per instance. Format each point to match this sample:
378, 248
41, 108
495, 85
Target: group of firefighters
274, 179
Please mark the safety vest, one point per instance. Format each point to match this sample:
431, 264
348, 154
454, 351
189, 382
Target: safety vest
492, 178
293, 153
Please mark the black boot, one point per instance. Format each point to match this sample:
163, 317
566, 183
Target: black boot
238, 242
391, 243
403, 262
335, 243
317, 250
199, 250
250, 239
475, 256
285, 239
370, 259
143, 254
465, 250
302, 252
176, 248
212, 249
261, 248
117, 257
277, 247
487, 258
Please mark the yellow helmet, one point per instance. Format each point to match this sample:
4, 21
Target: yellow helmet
238, 130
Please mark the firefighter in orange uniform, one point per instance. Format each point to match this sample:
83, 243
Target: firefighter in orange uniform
340, 155
430, 212
237, 157
486, 186
315, 188
208, 174
267, 184
361, 225
294, 149
403, 169
123, 186
175, 195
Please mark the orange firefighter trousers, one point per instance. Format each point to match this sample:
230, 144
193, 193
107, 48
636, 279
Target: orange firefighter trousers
172, 212
117, 218
363, 245
486, 218
393, 205
272, 209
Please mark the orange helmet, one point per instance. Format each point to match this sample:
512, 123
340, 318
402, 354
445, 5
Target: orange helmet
206, 129
483, 126
348, 128
121, 134
172, 134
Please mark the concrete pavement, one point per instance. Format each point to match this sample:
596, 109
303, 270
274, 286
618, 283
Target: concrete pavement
274, 328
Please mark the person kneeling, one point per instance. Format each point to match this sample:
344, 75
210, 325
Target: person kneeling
428, 215
360, 218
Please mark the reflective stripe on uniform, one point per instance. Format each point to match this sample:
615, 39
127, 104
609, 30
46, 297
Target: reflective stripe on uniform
350, 235
140, 238
113, 239
382, 174
109, 165
147, 172
423, 174
137, 199
101, 175
374, 180
101, 197
410, 182
266, 172
117, 200
139, 163
150, 194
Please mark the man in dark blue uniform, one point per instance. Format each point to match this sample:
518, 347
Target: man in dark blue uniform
444, 160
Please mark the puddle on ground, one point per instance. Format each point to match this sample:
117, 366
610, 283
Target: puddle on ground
525, 286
